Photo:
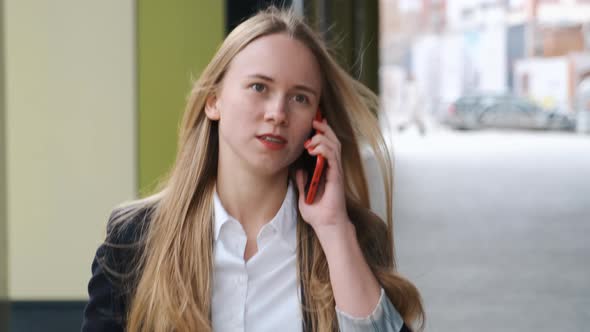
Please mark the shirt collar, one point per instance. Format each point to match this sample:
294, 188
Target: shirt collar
220, 214
285, 221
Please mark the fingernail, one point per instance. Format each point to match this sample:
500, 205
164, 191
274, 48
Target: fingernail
307, 143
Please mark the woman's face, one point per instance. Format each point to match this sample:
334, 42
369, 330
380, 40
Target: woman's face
266, 103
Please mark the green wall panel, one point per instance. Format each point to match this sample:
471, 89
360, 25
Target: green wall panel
176, 39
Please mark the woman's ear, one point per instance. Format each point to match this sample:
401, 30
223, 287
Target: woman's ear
211, 107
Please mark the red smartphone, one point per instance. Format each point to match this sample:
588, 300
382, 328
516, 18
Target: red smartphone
314, 180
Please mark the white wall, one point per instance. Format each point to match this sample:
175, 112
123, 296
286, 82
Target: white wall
548, 80
3, 243
70, 122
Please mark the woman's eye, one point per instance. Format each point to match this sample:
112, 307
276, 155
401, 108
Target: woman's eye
258, 87
301, 99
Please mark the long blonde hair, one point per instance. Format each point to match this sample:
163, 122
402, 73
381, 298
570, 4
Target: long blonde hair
172, 287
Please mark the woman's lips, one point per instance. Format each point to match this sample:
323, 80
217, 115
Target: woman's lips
275, 143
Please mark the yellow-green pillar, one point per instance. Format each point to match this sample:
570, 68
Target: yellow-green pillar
176, 39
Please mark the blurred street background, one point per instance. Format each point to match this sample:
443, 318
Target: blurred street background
492, 227
486, 105
476, 64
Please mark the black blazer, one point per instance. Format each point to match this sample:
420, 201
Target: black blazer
112, 280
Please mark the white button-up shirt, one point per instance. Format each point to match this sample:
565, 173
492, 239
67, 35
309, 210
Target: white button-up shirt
262, 294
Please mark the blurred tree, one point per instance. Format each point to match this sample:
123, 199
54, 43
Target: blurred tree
352, 29
237, 11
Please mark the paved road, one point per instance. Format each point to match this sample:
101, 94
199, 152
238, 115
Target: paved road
494, 227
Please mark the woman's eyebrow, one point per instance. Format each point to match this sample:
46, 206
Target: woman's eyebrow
270, 79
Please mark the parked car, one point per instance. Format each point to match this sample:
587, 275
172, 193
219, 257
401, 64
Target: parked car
504, 111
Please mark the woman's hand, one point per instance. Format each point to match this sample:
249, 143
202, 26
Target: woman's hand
356, 289
329, 206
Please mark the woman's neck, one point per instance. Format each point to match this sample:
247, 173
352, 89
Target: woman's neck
252, 199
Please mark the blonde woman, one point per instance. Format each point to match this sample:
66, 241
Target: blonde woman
229, 243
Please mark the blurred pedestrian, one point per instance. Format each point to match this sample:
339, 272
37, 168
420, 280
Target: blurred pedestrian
414, 105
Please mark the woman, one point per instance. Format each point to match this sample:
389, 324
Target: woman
229, 241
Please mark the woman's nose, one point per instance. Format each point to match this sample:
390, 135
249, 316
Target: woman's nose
277, 112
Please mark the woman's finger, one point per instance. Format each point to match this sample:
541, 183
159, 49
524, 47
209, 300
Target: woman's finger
300, 178
320, 139
326, 130
331, 156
